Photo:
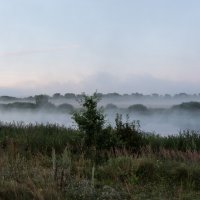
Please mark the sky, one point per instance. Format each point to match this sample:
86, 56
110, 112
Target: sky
124, 46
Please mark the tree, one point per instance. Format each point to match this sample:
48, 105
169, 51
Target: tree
70, 95
90, 119
41, 99
57, 96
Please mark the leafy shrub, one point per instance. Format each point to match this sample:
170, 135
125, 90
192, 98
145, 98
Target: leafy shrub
129, 134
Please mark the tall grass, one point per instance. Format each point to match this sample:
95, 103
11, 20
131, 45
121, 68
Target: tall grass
186, 140
38, 137
51, 162
42, 138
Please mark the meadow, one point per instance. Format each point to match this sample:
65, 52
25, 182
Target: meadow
96, 160
52, 162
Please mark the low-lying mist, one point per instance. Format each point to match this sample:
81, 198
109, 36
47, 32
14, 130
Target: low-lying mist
161, 115
164, 123
27, 117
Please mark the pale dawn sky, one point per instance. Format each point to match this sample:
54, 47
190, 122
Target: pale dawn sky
124, 46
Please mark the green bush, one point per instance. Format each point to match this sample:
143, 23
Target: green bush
129, 134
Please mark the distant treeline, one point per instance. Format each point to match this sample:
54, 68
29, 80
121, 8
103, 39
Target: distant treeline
43, 104
35, 107
191, 106
108, 95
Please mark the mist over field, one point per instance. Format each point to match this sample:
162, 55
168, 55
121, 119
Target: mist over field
159, 114
75, 46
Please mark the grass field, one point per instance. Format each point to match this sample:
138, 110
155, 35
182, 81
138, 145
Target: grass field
52, 162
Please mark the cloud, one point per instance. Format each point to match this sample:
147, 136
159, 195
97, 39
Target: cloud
105, 83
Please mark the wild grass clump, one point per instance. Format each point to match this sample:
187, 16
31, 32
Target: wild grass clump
147, 171
119, 169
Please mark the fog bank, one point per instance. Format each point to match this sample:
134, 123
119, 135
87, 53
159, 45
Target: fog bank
160, 123
160, 114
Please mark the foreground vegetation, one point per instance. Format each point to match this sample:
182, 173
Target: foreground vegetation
52, 162
97, 161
